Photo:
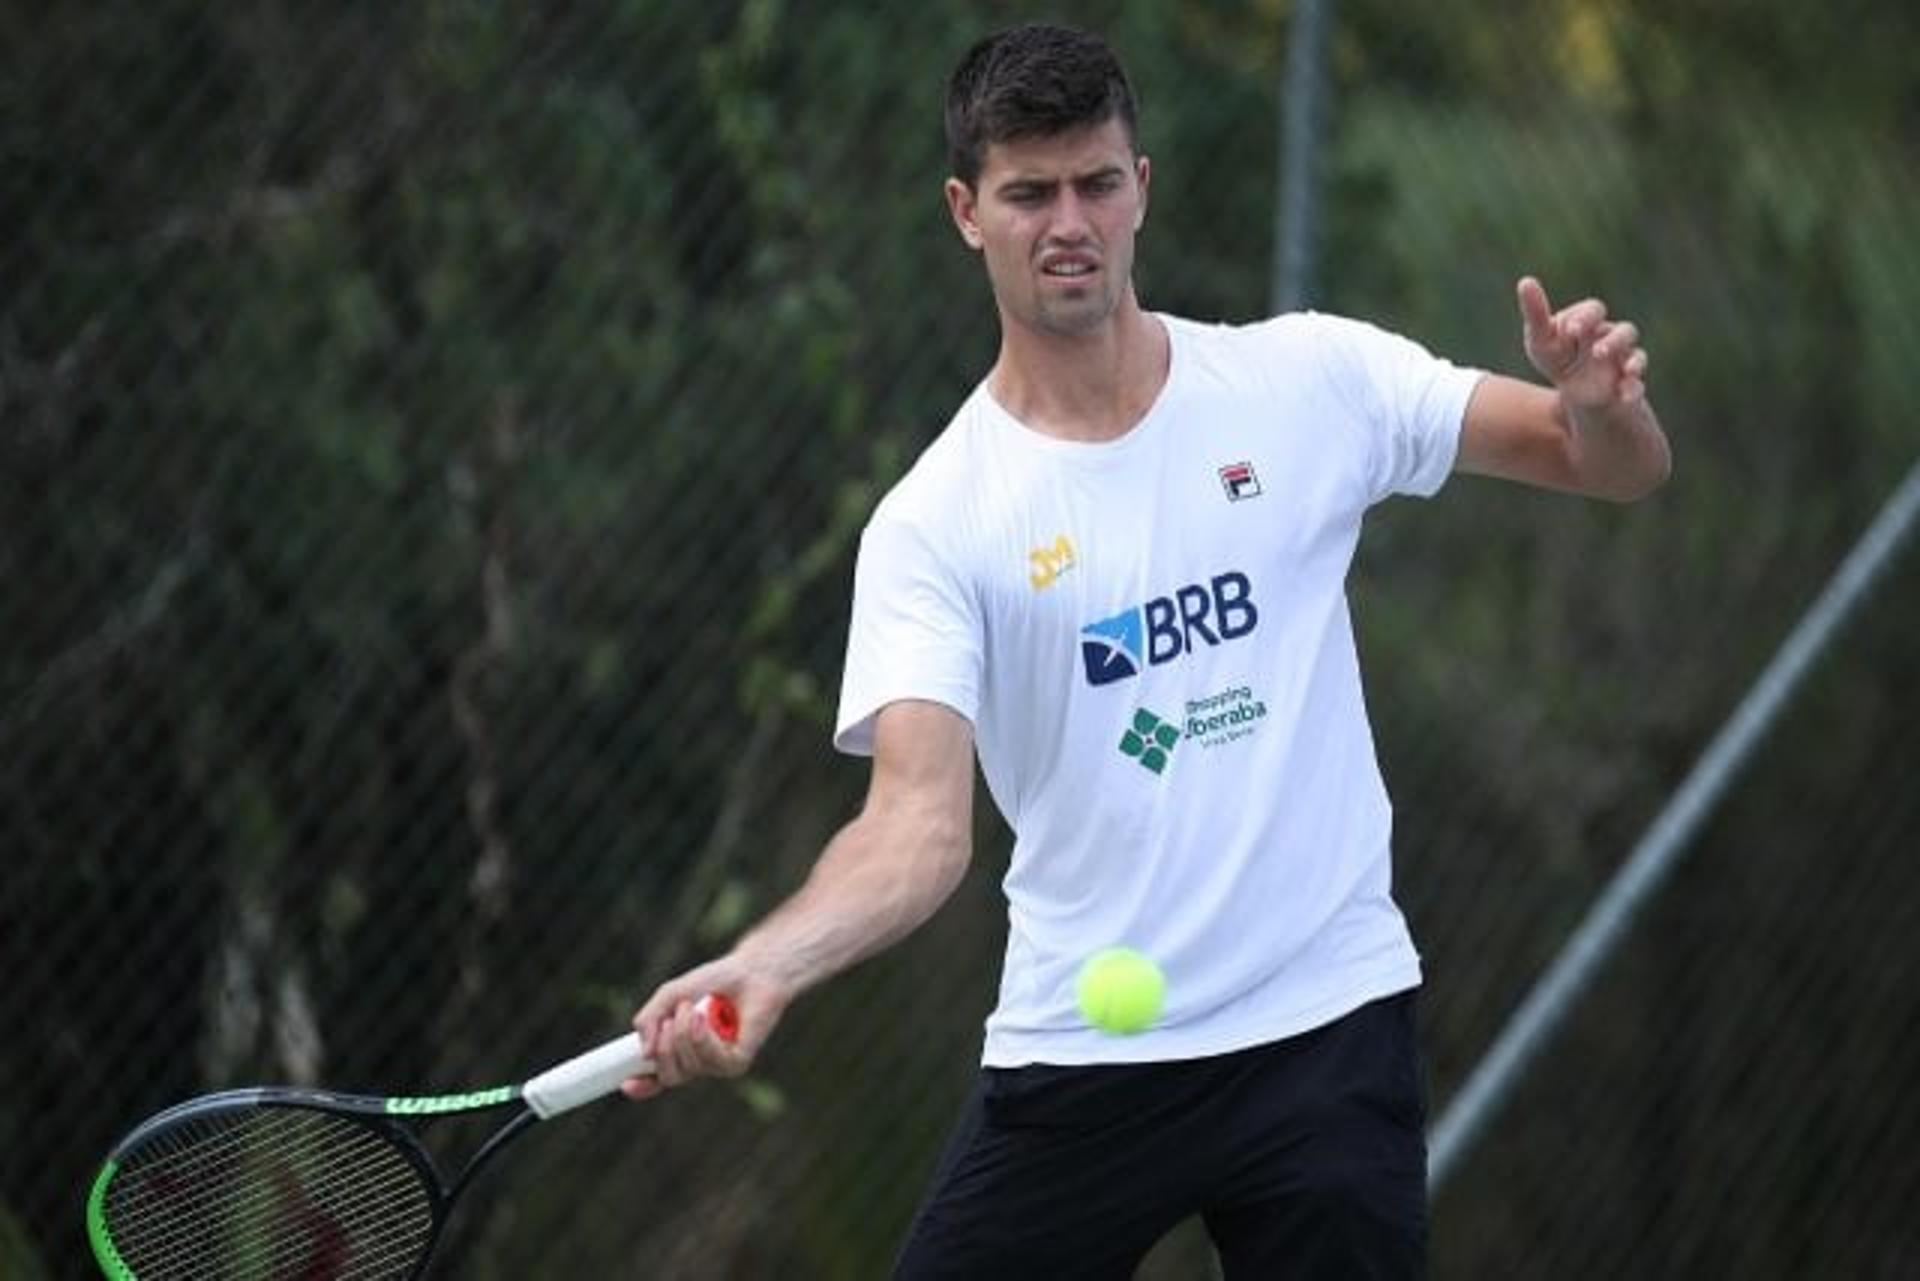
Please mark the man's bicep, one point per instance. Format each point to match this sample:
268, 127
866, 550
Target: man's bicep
922, 755
920, 793
1512, 430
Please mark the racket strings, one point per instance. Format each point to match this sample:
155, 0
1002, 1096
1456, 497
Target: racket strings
297, 1194
280, 1194
337, 1186
335, 1201
301, 1205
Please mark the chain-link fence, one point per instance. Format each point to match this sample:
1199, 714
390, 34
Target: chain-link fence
435, 434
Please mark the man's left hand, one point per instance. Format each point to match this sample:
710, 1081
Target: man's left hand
1595, 362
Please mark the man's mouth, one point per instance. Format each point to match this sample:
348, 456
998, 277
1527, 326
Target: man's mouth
1067, 268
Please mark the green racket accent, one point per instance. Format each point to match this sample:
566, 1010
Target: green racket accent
110, 1261
435, 1104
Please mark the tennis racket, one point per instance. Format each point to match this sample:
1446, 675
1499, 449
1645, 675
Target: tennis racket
308, 1185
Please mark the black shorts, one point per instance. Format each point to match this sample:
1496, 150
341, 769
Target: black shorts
1305, 1158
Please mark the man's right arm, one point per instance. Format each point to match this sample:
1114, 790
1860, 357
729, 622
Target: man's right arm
878, 879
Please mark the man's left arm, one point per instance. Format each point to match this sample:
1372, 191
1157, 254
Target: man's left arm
1592, 430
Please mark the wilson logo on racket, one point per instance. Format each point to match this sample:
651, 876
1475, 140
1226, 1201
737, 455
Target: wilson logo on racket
1167, 627
435, 1104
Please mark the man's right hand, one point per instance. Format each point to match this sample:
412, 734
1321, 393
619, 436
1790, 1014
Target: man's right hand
680, 1038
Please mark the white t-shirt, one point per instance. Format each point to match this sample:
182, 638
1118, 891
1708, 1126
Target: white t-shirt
1150, 637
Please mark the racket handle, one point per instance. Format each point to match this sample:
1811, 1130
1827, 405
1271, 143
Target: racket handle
599, 1071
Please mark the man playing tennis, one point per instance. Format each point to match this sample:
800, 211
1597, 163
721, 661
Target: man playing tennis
1117, 577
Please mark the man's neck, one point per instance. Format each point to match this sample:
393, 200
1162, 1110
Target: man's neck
1090, 387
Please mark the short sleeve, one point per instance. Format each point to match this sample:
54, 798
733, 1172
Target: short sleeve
1414, 402
915, 633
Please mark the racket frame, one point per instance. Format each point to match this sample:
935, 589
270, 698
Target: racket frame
563, 1087
384, 1117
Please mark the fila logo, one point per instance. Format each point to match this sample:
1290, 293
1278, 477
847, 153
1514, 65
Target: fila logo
1240, 481
1167, 627
1050, 562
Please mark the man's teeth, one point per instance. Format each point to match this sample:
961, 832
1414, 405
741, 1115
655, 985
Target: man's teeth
1070, 269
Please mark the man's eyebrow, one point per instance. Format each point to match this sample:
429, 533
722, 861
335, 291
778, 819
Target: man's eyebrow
1016, 180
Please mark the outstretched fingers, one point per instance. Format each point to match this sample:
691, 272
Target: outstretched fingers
1592, 358
1633, 375
1616, 342
1619, 359
1557, 341
1536, 311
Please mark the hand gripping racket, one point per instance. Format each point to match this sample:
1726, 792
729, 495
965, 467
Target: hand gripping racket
308, 1185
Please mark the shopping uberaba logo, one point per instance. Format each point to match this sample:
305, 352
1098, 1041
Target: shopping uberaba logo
1167, 627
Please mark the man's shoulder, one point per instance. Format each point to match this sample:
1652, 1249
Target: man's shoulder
1314, 347
1295, 330
1256, 355
939, 480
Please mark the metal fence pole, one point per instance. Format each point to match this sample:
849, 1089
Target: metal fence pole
1302, 119
1660, 850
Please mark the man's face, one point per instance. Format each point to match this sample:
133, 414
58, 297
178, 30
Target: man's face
1054, 217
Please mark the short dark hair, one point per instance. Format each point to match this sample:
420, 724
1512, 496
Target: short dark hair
1032, 81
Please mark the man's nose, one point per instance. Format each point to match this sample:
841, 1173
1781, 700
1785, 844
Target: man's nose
1070, 221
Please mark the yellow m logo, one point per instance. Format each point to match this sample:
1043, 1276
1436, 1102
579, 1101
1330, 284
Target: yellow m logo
1050, 562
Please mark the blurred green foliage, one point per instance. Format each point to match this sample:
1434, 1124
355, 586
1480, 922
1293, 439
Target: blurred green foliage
435, 441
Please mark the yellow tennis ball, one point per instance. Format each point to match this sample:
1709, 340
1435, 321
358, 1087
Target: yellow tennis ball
1120, 991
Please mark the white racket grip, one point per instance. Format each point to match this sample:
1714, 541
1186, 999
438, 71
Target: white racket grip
586, 1077
598, 1073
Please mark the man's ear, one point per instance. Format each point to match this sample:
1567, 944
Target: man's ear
1143, 171
963, 203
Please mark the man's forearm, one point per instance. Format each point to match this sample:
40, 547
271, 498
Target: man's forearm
877, 881
1620, 453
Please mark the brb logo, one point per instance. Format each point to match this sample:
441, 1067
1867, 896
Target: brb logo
1168, 626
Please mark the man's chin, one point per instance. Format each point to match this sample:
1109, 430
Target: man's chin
1075, 319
